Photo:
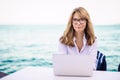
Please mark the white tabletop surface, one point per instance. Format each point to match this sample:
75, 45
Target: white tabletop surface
45, 73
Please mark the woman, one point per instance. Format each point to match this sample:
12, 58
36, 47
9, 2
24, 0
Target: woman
79, 37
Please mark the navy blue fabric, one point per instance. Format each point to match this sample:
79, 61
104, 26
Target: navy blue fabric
119, 67
101, 61
2, 74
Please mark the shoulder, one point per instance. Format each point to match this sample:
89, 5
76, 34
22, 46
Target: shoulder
61, 44
95, 42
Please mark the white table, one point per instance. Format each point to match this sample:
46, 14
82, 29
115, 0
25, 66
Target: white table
45, 73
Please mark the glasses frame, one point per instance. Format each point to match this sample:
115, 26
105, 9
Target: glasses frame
81, 21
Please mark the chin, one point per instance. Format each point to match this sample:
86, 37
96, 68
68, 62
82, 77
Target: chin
79, 30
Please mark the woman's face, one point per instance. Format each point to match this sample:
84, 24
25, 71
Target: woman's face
79, 24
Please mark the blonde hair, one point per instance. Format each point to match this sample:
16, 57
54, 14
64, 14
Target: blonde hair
69, 33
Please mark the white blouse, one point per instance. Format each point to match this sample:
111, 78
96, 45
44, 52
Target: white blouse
85, 50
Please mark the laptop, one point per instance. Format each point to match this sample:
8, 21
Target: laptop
73, 65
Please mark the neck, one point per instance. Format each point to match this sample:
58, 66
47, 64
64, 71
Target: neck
79, 36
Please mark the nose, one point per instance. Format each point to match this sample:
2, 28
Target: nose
78, 22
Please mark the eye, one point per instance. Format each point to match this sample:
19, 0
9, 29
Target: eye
75, 19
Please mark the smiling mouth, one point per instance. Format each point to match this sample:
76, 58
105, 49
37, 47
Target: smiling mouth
78, 27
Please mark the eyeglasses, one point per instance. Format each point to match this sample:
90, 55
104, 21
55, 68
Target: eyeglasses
81, 21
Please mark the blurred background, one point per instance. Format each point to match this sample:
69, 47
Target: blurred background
30, 30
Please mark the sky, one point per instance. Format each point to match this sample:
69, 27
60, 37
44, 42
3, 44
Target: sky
102, 12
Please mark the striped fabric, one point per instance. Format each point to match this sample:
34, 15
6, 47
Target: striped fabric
101, 61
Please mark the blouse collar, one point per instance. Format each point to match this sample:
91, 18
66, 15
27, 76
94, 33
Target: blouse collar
84, 40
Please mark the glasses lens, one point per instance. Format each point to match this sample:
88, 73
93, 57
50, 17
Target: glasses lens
82, 20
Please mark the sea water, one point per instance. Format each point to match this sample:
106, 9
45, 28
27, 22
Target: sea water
33, 45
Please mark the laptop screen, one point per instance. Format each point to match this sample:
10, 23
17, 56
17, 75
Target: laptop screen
73, 65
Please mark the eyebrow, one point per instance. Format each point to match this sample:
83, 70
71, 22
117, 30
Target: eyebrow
80, 18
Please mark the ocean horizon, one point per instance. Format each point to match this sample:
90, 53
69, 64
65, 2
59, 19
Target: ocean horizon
33, 45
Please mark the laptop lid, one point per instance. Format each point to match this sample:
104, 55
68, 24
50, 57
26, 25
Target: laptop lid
72, 65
